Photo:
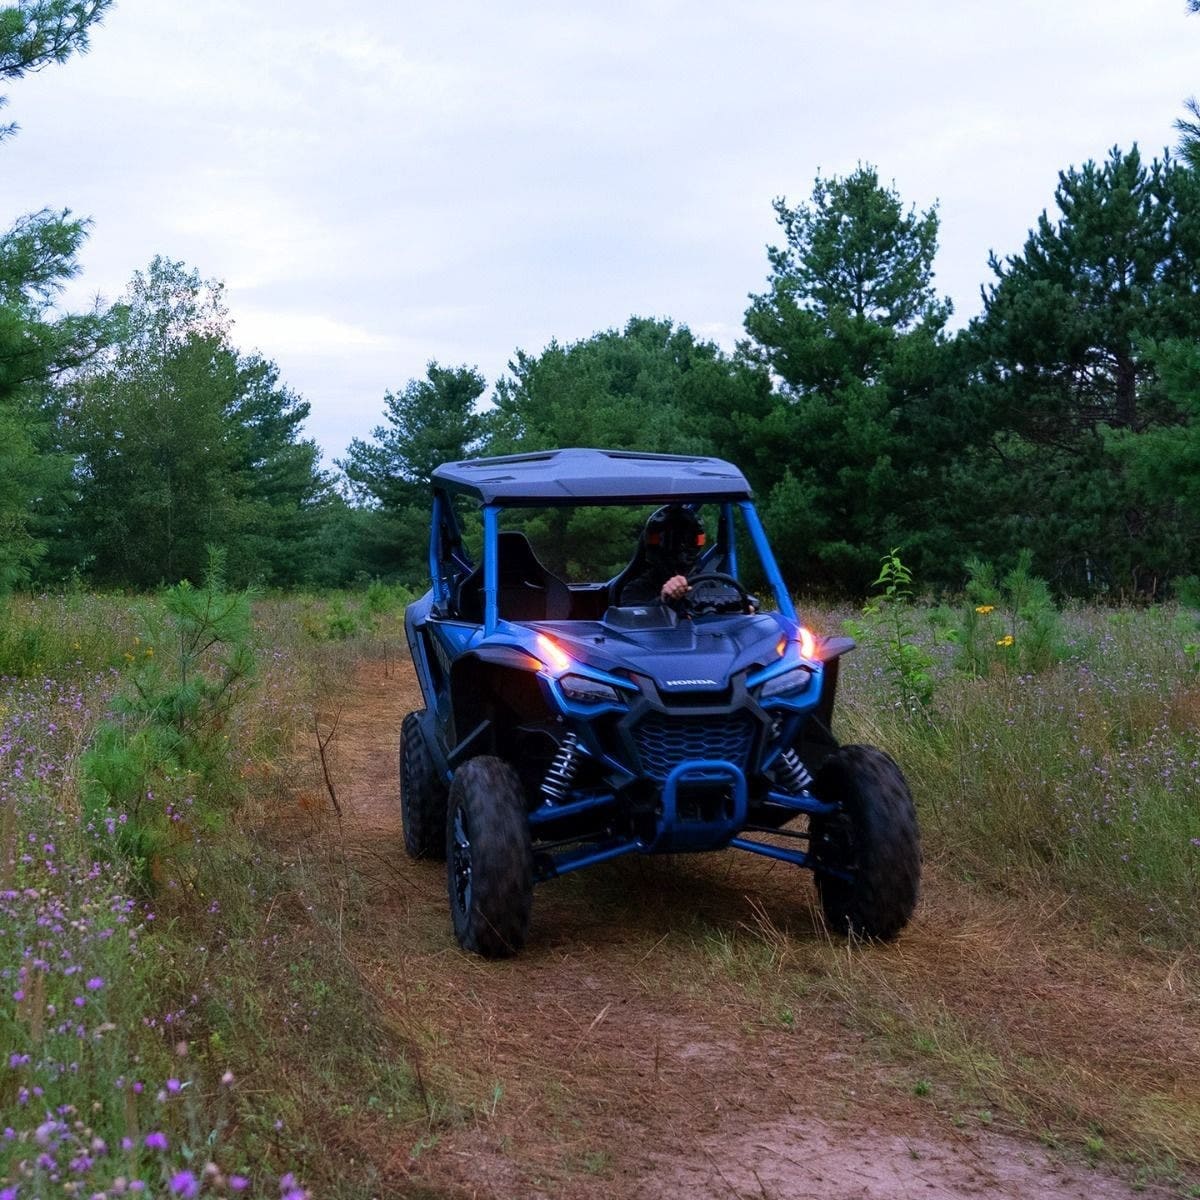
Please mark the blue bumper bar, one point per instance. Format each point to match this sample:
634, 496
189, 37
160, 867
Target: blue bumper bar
675, 832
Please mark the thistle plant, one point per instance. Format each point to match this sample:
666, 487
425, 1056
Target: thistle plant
100, 1093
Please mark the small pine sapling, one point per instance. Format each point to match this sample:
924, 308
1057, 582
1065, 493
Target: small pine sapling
1011, 624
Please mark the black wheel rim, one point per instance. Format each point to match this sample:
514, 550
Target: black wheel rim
834, 846
460, 862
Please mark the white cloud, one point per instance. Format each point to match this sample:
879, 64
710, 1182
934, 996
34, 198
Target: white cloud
300, 334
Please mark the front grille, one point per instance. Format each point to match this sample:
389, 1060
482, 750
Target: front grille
663, 742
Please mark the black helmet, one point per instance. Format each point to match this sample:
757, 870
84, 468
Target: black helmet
674, 535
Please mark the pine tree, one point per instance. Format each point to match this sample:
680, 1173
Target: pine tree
1189, 126
1064, 355
853, 328
182, 444
36, 256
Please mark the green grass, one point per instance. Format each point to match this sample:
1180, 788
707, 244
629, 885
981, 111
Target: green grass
67, 634
1083, 776
207, 1005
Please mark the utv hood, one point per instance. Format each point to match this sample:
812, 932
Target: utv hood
678, 655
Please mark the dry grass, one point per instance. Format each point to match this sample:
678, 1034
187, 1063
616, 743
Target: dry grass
1019, 1018
653, 990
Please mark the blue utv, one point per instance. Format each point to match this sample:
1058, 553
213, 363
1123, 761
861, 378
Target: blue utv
565, 725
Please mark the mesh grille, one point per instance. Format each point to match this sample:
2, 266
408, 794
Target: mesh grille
663, 742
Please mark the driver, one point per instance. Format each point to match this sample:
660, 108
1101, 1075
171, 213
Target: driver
671, 543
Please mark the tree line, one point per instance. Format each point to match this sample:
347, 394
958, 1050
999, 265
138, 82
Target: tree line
1063, 420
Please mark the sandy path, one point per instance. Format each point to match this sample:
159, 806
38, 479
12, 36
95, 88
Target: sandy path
620, 1056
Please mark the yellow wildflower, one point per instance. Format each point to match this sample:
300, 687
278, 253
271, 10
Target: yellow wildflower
1006, 640
128, 657
149, 651
984, 608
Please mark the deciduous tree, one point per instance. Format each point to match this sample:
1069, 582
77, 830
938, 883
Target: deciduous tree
651, 386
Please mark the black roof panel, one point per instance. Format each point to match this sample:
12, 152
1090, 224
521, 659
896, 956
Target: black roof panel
599, 476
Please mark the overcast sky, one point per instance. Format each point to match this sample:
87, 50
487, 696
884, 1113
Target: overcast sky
454, 181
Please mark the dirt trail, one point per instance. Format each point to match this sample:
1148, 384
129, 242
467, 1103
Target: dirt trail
624, 1053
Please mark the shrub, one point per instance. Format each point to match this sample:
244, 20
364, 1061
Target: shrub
1010, 625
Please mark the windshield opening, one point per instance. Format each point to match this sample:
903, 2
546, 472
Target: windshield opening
573, 562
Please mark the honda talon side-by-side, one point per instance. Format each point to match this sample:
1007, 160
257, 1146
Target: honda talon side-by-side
571, 721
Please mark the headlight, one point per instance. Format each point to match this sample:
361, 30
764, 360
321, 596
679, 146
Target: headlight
587, 691
790, 682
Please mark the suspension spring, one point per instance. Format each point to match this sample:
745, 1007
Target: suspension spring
562, 770
791, 772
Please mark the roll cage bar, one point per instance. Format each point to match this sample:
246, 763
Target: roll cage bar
449, 562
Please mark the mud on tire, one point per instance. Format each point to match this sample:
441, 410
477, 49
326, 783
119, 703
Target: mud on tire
874, 839
489, 867
422, 794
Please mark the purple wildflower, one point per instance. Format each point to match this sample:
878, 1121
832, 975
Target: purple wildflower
184, 1184
156, 1141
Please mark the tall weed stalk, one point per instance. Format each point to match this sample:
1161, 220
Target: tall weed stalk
888, 626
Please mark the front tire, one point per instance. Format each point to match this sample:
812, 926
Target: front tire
874, 840
489, 858
422, 794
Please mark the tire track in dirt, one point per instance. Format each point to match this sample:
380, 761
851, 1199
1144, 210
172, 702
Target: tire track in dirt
620, 1055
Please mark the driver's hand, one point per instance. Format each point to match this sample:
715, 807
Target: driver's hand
675, 588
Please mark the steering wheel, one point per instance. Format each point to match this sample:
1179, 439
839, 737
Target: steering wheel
716, 582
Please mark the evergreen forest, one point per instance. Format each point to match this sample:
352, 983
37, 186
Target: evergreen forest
1062, 421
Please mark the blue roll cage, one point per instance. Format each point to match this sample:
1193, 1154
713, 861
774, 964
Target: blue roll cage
442, 549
